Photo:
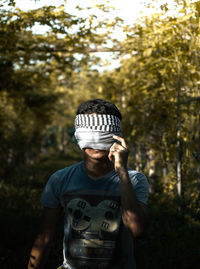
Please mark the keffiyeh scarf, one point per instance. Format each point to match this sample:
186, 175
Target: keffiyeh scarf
96, 130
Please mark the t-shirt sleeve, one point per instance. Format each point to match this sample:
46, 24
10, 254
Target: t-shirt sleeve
51, 194
140, 185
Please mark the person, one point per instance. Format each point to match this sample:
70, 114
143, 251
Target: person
104, 201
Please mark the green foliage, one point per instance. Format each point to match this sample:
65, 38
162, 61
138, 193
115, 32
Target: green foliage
157, 89
39, 76
45, 76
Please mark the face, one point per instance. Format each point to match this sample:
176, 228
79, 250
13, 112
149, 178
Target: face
96, 154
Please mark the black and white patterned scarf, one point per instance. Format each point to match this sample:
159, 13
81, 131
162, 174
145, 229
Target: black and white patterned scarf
96, 130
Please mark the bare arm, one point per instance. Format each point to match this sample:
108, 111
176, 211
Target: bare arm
41, 246
134, 212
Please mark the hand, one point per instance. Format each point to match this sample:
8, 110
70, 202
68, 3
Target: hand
119, 154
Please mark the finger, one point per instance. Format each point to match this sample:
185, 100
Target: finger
117, 147
123, 143
111, 156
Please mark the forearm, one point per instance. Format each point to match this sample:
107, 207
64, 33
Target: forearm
134, 213
39, 253
134, 216
42, 244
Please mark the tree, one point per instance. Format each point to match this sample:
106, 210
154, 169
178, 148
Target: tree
36, 71
157, 87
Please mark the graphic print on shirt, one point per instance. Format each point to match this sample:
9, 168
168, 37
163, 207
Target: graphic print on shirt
94, 226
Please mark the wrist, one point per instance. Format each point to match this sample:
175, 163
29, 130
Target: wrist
121, 170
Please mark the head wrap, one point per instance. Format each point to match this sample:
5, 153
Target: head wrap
96, 130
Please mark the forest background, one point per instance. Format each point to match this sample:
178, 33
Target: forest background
45, 76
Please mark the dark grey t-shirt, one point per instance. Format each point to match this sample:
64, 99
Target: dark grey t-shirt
94, 235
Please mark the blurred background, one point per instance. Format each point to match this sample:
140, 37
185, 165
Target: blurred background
142, 56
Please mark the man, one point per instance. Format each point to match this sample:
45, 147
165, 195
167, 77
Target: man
104, 201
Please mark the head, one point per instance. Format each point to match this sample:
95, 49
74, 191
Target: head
99, 106
96, 107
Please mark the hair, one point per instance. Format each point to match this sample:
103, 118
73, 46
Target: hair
99, 106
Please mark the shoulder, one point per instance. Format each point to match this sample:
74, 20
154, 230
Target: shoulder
140, 185
55, 186
137, 177
62, 173
61, 177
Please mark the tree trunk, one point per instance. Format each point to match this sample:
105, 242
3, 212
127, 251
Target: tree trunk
179, 149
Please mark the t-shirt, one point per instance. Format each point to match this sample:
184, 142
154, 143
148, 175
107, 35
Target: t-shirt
94, 234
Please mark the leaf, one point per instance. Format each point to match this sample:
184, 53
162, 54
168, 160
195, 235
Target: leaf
147, 52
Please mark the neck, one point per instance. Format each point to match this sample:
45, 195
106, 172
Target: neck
97, 168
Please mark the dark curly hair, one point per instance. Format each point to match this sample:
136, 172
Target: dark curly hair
99, 106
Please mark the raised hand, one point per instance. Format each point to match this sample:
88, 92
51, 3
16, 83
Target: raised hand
119, 154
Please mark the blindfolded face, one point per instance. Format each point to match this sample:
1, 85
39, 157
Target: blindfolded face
96, 130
